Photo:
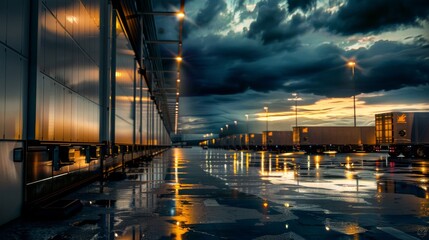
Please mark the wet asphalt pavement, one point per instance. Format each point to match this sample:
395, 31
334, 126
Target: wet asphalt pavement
192, 193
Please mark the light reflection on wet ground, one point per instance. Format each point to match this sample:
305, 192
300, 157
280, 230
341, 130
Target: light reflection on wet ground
217, 194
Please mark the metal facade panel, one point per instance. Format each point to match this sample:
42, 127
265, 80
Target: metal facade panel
13, 109
15, 24
80, 119
74, 118
68, 61
81, 89
50, 44
2, 89
39, 107
67, 115
52, 5
93, 123
59, 111
85, 119
25, 30
41, 59
59, 54
3, 19
75, 68
48, 109
61, 11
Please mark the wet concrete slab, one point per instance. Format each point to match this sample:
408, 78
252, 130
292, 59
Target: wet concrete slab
192, 193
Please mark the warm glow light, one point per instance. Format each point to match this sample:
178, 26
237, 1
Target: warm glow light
179, 59
180, 15
351, 63
118, 74
265, 204
178, 80
72, 19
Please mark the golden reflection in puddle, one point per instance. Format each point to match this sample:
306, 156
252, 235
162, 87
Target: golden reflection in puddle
262, 164
178, 230
234, 163
277, 162
247, 161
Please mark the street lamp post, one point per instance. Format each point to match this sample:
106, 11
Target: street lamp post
247, 123
247, 131
352, 65
296, 99
266, 136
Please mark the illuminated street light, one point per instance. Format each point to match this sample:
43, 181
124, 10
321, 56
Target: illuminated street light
179, 59
180, 15
296, 99
352, 65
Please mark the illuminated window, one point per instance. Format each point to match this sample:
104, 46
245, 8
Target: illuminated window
270, 134
304, 130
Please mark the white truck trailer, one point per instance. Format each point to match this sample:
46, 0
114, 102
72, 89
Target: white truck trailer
405, 133
318, 139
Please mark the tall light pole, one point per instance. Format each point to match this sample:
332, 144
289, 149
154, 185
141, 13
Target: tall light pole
247, 131
352, 65
266, 136
247, 123
296, 99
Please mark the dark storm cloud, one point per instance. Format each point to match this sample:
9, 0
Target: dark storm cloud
206, 64
384, 66
372, 16
302, 4
402, 66
209, 12
321, 70
269, 26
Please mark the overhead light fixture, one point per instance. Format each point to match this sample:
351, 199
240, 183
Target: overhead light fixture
180, 15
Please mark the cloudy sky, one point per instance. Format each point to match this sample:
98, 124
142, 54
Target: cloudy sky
242, 55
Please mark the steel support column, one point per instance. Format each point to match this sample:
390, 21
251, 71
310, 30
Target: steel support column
113, 80
104, 79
